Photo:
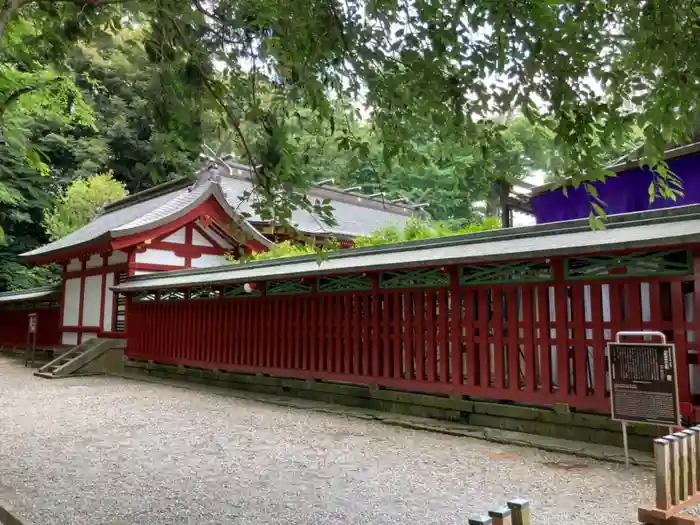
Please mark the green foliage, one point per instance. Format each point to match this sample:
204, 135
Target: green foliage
81, 201
417, 229
413, 230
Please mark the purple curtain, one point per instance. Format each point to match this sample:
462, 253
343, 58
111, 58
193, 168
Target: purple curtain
628, 192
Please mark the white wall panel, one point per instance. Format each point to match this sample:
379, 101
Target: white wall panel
118, 257
92, 300
160, 257
74, 265
69, 338
199, 240
206, 260
178, 237
95, 261
87, 336
141, 272
107, 325
71, 302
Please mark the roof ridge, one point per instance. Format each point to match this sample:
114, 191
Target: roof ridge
147, 194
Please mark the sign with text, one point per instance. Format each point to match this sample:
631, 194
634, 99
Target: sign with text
643, 385
33, 322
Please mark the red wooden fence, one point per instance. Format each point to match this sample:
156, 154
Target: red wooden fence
14, 324
531, 343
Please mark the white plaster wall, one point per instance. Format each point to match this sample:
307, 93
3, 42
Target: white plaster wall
160, 257
91, 300
95, 261
71, 302
74, 265
199, 240
109, 303
69, 338
206, 260
87, 336
118, 257
177, 237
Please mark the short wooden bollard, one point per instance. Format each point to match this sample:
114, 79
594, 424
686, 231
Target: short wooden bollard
677, 458
517, 512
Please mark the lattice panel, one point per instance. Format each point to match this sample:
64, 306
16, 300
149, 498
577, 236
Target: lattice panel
515, 272
233, 292
146, 297
344, 283
172, 295
678, 262
203, 293
288, 287
426, 278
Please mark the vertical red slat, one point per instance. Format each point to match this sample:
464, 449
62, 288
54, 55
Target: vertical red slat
397, 338
328, 335
431, 329
314, 331
484, 359
386, 332
598, 341
562, 336
347, 334
528, 322
443, 336
634, 320
497, 326
357, 334
337, 333
615, 309
366, 320
655, 305
680, 341
420, 334
304, 340
455, 311
513, 338
376, 341
408, 366
578, 312
543, 316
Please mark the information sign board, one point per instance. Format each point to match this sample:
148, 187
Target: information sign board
643, 386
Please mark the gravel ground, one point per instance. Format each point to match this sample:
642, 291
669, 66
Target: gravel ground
89, 450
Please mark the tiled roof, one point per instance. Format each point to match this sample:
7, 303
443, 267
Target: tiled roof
354, 214
670, 227
31, 294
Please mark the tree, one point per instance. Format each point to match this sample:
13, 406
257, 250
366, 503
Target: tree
79, 204
587, 71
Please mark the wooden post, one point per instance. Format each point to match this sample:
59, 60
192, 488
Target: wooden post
675, 469
521, 511
480, 520
696, 439
682, 465
500, 516
692, 462
662, 454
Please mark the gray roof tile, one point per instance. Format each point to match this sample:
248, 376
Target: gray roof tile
354, 215
644, 230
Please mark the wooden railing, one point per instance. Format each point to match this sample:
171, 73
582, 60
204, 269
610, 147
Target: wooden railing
677, 479
517, 512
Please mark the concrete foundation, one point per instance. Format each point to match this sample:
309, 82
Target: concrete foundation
557, 421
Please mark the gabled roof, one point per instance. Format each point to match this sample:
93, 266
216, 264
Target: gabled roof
229, 184
670, 227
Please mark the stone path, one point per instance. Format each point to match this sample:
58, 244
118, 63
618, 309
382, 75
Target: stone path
92, 450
